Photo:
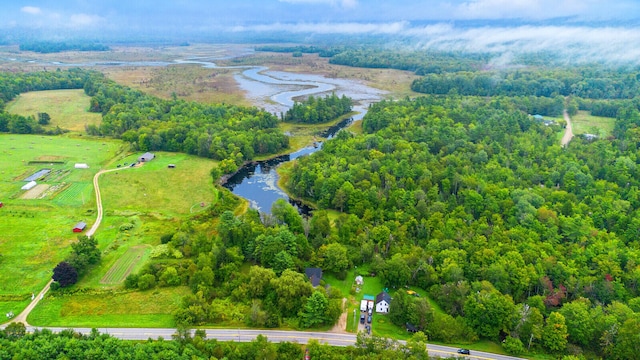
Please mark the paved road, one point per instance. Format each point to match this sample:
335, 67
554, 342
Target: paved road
22, 317
568, 131
244, 335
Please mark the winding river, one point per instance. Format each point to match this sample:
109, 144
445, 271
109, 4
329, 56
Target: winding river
274, 91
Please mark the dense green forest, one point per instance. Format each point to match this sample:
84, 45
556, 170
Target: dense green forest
222, 132
16, 344
47, 47
469, 198
318, 110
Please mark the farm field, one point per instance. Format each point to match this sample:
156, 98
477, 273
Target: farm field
35, 233
585, 123
154, 189
68, 108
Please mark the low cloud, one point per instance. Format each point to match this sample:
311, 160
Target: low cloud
84, 20
329, 28
575, 43
33, 10
348, 4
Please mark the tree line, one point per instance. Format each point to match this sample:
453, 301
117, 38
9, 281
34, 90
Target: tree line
47, 47
578, 82
318, 110
218, 131
12, 84
16, 343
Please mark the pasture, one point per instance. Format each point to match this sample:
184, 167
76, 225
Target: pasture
154, 189
585, 123
124, 265
35, 233
69, 109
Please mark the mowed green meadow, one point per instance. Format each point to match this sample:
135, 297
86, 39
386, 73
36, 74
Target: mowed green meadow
585, 123
69, 109
35, 233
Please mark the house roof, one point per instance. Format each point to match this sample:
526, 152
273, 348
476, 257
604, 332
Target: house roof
80, 225
147, 155
314, 274
383, 296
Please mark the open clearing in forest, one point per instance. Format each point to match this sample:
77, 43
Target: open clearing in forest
585, 123
69, 109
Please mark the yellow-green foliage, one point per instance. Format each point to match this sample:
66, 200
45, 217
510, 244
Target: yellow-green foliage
69, 109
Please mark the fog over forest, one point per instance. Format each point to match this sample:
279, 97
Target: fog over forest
591, 30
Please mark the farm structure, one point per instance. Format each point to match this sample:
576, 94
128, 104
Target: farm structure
146, 157
1, 204
314, 274
38, 175
30, 185
79, 227
81, 166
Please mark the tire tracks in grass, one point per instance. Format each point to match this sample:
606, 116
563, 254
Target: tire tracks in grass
22, 317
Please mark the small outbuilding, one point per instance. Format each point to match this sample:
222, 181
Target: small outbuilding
1, 204
146, 157
81, 166
314, 274
79, 227
411, 328
359, 280
30, 185
171, 166
383, 300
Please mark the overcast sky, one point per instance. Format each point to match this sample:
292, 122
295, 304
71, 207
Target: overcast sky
244, 14
585, 29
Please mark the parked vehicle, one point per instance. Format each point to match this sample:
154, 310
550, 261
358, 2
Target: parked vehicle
369, 319
464, 351
362, 319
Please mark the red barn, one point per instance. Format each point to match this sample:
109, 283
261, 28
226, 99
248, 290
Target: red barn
1, 204
79, 227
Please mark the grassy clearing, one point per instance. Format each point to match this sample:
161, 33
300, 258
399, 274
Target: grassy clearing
154, 189
129, 309
189, 81
68, 108
585, 123
124, 265
36, 232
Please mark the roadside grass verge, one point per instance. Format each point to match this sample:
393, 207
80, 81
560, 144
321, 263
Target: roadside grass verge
69, 109
15, 305
585, 123
151, 308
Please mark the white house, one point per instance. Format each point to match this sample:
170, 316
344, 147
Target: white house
383, 300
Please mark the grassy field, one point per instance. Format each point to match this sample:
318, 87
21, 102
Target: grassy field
154, 189
68, 108
151, 308
585, 123
124, 265
188, 81
35, 233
